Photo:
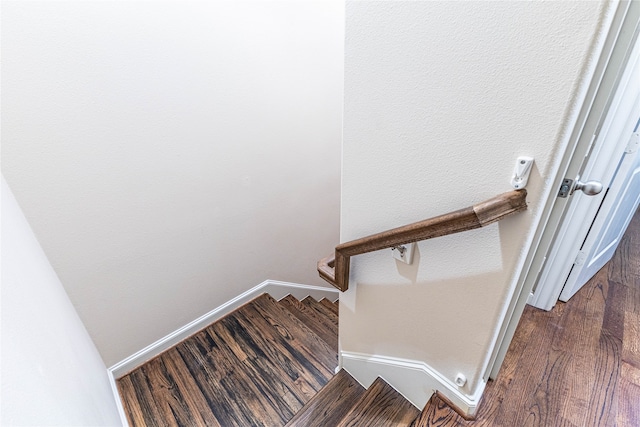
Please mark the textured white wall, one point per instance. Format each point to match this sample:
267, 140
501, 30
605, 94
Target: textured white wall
440, 99
171, 155
52, 374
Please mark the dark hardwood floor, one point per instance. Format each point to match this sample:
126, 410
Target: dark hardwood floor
255, 367
576, 365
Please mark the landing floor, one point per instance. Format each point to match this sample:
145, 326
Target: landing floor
576, 365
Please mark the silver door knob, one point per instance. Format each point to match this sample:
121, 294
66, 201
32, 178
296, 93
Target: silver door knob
590, 188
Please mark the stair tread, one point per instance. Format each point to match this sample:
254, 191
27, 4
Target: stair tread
330, 305
381, 406
270, 356
213, 381
329, 317
438, 413
265, 358
331, 404
278, 315
313, 319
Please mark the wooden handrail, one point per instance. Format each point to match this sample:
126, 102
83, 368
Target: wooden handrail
335, 268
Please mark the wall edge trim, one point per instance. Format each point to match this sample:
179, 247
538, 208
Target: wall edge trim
414, 379
277, 289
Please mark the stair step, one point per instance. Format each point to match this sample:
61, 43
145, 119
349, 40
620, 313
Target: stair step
288, 325
331, 404
438, 413
270, 354
330, 305
325, 316
381, 406
313, 319
329, 318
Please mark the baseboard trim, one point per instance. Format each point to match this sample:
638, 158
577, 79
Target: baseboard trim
415, 380
116, 395
276, 289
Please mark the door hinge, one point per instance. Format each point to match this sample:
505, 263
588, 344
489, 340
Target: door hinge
634, 143
580, 258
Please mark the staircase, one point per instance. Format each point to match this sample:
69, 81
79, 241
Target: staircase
269, 363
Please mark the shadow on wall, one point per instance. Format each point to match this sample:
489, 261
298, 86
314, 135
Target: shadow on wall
444, 310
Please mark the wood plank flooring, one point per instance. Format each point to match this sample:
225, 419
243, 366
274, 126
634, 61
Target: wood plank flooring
255, 367
380, 406
332, 404
577, 365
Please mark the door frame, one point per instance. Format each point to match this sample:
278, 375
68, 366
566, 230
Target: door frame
597, 96
605, 158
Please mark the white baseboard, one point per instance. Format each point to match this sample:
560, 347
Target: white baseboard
415, 380
276, 289
279, 290
116, 395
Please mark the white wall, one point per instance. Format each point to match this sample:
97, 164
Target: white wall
440, 99
52, 373
172, 155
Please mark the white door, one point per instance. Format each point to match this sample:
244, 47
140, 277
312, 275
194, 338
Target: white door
615, 163
615, 213
593, 225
